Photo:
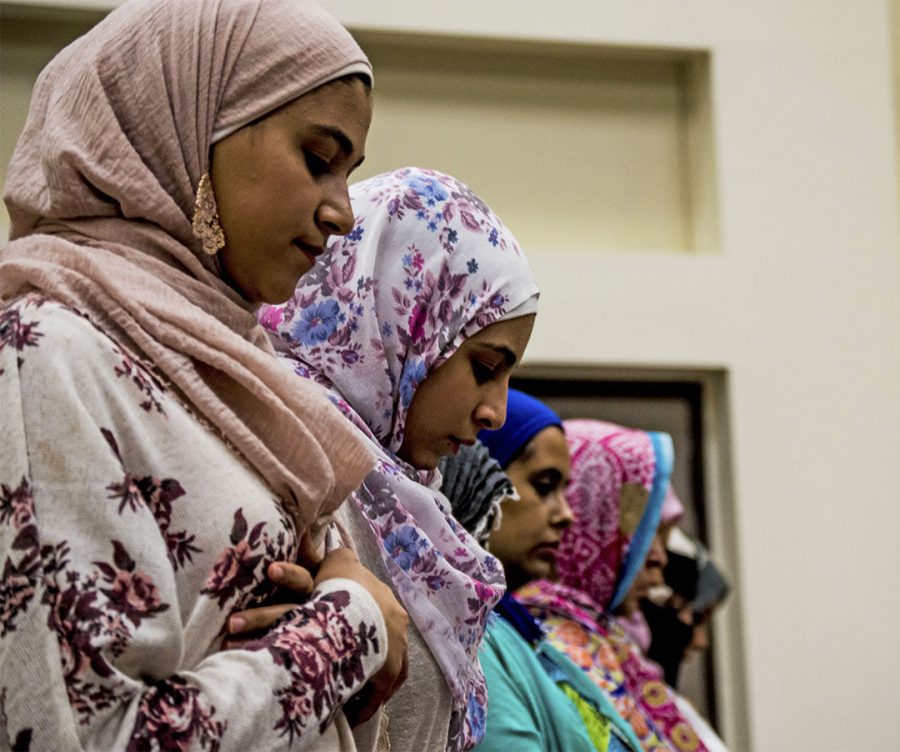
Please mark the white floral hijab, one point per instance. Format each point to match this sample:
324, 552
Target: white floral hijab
426, 266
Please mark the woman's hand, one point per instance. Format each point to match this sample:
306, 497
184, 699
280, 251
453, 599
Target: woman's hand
251, 623
341, 562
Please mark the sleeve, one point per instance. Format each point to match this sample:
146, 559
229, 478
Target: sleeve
92, 629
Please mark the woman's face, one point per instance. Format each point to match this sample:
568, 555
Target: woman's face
466, 393
530, 529
281, 187
651, 574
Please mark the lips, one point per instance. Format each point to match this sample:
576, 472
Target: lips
456, 443
310, 250
547, 550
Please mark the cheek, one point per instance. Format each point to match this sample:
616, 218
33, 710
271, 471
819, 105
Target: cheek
522, 525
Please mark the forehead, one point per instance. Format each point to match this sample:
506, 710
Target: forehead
511, 334
547, 450
345, 104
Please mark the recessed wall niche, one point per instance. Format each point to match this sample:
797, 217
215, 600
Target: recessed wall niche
577, 147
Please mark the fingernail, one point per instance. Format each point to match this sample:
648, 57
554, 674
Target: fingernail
277, 572
236, 624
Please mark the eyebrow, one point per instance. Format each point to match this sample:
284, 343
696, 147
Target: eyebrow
342, 139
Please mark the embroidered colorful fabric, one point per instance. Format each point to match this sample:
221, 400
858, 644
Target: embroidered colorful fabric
426, 266
619, 479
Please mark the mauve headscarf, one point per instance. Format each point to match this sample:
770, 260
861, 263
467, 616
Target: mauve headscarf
101, 189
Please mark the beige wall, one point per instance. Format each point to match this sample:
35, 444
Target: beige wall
788, 306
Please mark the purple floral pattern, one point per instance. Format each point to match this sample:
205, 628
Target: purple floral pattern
157, 494
323, 655
426, 266
16, 333
20, 574
237, 567
172, 716
119, 601
84, 622
143, 379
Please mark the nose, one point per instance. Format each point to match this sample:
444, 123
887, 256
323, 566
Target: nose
561, 515
335, 214
490, 413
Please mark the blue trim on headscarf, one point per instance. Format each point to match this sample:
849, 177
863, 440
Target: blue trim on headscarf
525, 418
646, 529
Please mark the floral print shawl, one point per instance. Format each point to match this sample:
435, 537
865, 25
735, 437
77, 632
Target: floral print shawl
427, 265
619, 479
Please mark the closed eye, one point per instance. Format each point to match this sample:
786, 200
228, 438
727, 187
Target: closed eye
546, 483
316, 164
483, 373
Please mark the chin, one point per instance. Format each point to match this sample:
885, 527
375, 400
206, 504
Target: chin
541, 571
278, 295
422, 460
426, 464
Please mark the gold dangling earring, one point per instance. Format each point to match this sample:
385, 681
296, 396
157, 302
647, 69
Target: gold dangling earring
205, 222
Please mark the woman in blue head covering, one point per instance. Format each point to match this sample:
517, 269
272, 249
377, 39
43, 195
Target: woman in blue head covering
531, 448
538, 698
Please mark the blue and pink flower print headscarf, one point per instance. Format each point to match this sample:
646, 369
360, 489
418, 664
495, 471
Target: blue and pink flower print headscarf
426, 266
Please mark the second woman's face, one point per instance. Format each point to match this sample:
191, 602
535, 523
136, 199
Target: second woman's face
531, 528
466, 393
281, 187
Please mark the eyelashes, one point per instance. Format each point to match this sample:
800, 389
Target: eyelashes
482, 372
544, 487
316, 164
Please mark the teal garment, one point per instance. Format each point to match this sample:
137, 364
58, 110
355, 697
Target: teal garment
527, 712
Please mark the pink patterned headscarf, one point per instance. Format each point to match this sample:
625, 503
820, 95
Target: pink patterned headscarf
612, 477
101, 190
427, 265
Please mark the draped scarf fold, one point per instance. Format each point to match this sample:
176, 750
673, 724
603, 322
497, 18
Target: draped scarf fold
100, 191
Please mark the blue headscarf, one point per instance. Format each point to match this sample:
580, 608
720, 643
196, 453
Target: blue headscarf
525, 418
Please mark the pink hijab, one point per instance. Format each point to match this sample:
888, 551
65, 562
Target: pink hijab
101, 189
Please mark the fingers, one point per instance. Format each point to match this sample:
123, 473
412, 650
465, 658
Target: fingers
256, 619
341, 562
291, 576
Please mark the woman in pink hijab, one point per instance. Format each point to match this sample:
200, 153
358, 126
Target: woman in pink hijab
618, 481
183, 162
